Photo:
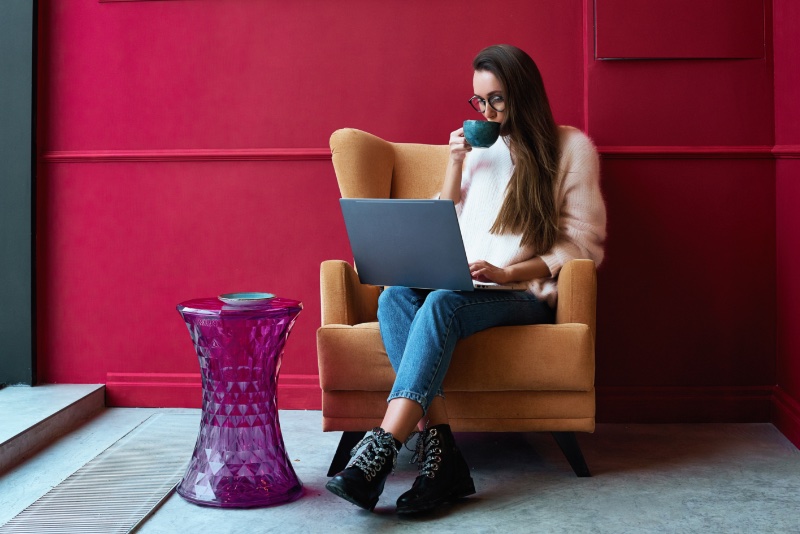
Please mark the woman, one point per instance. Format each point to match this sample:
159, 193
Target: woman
526, 206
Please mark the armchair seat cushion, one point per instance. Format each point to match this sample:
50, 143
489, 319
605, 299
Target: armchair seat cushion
556, 357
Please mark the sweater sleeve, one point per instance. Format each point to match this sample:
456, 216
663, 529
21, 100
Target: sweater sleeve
582, 216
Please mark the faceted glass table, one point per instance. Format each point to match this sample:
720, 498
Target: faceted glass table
239, 460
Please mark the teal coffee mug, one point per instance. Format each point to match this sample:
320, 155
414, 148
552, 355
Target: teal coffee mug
481, 134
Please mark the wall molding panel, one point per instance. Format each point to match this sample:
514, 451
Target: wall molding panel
183, 390
680, 29
687, 152
323, 154
786, 151
184, 155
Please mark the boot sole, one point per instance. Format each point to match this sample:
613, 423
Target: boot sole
464, 490
342, 492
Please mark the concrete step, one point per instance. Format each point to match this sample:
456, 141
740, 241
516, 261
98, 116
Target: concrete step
33, 417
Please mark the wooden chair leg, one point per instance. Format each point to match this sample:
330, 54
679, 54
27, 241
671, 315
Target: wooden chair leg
569, 446
342, 456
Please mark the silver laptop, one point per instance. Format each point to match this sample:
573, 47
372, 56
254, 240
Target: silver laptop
411, 243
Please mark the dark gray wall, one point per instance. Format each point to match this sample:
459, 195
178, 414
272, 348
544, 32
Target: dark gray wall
17, 79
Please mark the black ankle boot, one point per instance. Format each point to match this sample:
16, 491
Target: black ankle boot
362, 480
443, 473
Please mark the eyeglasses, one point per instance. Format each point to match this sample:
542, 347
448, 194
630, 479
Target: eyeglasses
497, 102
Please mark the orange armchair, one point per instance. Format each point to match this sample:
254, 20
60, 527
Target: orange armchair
505, 379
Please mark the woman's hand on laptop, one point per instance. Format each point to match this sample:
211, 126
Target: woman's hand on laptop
483, 271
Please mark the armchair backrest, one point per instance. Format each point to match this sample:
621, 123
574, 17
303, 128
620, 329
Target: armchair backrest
366, 166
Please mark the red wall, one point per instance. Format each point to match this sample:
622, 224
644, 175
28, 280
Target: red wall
686, 313
184, 154
786, 413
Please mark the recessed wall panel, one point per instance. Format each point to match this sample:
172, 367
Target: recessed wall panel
679, 29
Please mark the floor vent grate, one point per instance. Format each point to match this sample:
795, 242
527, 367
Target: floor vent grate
120, 487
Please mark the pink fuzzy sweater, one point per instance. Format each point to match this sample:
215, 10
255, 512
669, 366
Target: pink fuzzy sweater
582, 216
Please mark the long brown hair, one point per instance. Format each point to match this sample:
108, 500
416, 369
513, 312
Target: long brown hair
530, 206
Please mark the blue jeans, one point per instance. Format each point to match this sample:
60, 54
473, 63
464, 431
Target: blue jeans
420, 329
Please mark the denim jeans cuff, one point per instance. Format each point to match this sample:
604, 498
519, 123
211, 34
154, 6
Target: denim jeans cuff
416, 397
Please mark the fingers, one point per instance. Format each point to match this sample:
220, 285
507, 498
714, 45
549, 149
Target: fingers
481, 264
481, 277
480, 269
458, 144
485, 272
478, 272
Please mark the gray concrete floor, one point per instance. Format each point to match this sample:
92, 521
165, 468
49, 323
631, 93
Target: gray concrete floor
647, 478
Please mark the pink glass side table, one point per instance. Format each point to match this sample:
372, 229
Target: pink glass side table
239, 460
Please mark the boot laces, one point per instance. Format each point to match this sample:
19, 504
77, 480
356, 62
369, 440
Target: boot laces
372, 452
427, 454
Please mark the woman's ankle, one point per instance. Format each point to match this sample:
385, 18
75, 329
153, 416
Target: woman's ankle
401, 417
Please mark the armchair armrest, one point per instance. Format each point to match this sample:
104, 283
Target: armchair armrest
345, 300
577, 293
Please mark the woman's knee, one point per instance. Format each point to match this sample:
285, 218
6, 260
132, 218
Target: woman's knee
395, 296
443, 301
390, 294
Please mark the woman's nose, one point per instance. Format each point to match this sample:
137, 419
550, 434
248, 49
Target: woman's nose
490, 113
